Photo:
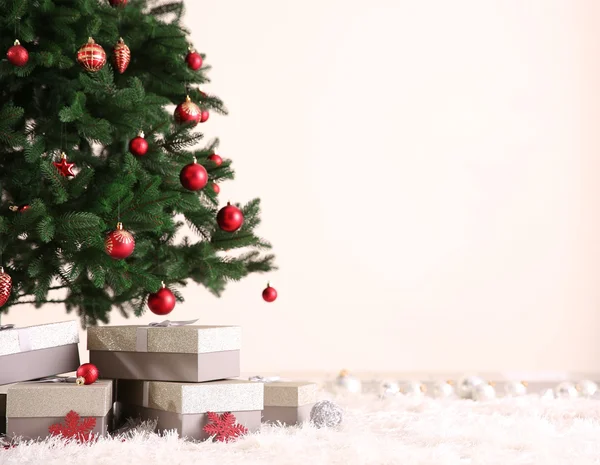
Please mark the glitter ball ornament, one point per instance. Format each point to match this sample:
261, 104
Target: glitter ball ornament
5, 286
161, 302
515, 388
216, 188
204, 116
121, 56
566, 390
230, 218
193, 60
216, 159
91, 56
193, 176
442, 390
346, 383
484, 392
17, 55
63, 166
187, 112
138, 145
87, 374
586, 388
269, 294
326, 414
119, 244
466, 385
389, 389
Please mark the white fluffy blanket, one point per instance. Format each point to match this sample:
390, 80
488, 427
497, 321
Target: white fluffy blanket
403, 431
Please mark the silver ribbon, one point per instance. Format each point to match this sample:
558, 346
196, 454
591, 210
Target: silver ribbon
141, 340
57, 379
264, 379
23, 335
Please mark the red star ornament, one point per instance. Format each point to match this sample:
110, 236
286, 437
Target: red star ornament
224, 427
63, 166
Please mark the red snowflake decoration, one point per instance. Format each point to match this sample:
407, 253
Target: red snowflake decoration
74, 428
224, 427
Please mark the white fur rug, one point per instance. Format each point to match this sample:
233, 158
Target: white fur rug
403, 431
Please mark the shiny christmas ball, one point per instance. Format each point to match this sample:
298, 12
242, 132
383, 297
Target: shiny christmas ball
91, 56
121, 56
346, 383
484, 392
138, 145
117, 3
216, 159
326, 414
413, 388
230, 218
586, 388
216, 188
442, 390
194, 60
389, 389
119, 244
161, 302
87, 374
204, 116
566, 390
187, 112
5, 286
17, 55
466, 385
193, 176
515, 388
23, 208
269, 294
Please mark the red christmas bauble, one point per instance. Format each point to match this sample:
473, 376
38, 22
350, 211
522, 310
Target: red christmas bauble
269, 294
204, 116
138, 145
187, 112
216, 159
216, 187
119, 243
230, 218
87, 374
117, 2
161, 302
17, 54
194, 60
23, 208
5, 286
121, 56
91, 56
193, 176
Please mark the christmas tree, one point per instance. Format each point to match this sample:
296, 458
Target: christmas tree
99, 173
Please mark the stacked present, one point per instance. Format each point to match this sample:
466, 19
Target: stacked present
176, 373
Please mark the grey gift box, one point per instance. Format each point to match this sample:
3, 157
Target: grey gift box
31, 408
175, 353
289, 403
3, 391
38, 351
183, 406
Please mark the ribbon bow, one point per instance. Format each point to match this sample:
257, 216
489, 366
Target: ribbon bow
2, 328
168, 323
263, 379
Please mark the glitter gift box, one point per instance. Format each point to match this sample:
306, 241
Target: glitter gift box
183, 406
38, 351
289, 403
173, 353
31, 408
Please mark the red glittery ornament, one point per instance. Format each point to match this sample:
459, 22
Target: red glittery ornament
162, 302
117, 3
5, 286
17, 54
138, 145
87, 374
91, 56
121, 56
194, 60
119, 244
216, 159
269, 294
224, 427
187, 112
230, 218
193, 176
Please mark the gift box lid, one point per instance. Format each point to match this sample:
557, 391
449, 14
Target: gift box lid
34, 400
189, 398
174, 339
15, 340
290, 394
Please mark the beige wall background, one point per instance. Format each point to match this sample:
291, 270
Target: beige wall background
429, 176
